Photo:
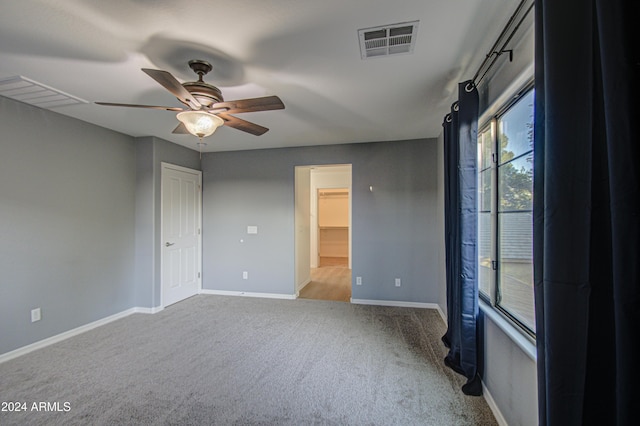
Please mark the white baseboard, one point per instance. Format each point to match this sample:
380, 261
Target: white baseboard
397, 303
148, 310
442, 315
303, 285
74, 332
249, 294
494, 408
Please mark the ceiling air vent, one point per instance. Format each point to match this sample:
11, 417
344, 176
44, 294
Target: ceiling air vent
37, 94
388, 40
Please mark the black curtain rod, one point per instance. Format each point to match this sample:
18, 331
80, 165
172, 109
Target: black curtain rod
494, 52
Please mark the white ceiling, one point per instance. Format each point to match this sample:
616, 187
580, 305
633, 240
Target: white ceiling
305, 51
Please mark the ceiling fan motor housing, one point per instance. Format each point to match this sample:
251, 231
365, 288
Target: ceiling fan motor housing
204, 93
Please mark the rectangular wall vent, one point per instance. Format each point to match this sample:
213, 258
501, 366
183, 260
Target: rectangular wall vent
25, 90
388, 40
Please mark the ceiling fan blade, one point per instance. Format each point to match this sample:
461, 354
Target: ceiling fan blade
244, 125
141, 106
266, 103
181, 129
170, 83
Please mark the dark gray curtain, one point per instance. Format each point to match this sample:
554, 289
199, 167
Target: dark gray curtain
587, 211
460, 148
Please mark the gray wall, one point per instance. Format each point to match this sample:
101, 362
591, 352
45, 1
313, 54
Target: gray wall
150, 153
67, 201
395, 231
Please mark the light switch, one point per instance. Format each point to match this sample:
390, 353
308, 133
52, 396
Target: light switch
35, 315
252, 229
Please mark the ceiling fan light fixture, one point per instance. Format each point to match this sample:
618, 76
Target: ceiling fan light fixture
200, 123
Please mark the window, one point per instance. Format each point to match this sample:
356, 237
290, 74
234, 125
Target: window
505, 211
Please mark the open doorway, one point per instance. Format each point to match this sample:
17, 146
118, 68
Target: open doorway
323, 232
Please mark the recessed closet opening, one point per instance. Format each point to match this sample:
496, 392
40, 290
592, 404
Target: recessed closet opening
323, 232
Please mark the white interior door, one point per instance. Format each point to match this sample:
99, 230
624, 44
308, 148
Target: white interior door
181, 233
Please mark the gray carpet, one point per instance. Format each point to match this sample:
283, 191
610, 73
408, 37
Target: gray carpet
214, 360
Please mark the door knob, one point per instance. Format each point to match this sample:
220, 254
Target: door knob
168, 244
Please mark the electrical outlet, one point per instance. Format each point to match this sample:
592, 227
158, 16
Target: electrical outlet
358, 280
397, 282
245, 275
35, 315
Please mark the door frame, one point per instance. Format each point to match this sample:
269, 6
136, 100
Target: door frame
163, 167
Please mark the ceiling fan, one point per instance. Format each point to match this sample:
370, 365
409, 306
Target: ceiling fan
206, 108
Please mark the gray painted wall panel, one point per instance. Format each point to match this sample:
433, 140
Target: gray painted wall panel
395, 233
67, 200
150, 153
241, 189
394, 229
510, 376
145, 223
